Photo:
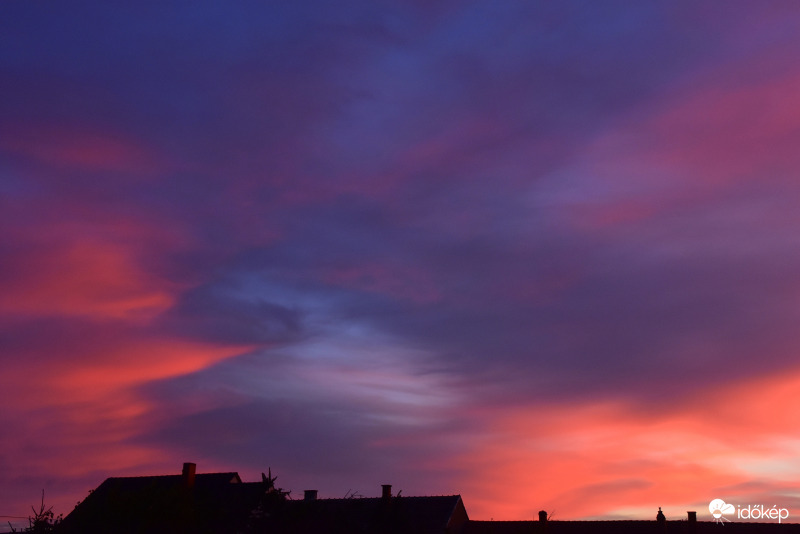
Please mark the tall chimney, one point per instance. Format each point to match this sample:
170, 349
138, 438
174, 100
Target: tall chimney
387, 491
310, 495
188, 474
692, 522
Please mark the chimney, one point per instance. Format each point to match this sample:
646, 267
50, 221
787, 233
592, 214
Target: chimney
188, 474
310, 495
661, 520
692, 522
387, 491
543, 516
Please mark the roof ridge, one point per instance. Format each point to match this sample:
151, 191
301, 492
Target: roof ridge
381, 498
178, 475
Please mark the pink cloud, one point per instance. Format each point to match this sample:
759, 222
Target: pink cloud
83, 277
80, 411
86, 292
80, 147
133, 363
722, 134
688, 146
611, 459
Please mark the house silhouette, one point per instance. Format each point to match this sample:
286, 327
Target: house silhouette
220, 503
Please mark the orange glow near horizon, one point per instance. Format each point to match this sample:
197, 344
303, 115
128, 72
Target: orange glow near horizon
609, 460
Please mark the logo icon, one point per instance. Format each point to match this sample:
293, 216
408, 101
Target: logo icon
719, 508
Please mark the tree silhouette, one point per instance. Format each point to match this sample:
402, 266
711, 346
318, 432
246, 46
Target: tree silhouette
42, 520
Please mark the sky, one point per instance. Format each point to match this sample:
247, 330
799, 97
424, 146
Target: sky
543, 255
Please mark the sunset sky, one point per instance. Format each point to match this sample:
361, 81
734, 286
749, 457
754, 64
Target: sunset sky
545, 255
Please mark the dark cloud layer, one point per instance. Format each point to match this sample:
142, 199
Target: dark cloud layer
355, 240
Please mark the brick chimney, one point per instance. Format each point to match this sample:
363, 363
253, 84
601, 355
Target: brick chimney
387, 491
188, 474
310, 495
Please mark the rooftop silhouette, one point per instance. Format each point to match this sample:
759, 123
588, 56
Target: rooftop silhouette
193, 502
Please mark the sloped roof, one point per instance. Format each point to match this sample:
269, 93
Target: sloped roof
222, 503
162, 504
422, 515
